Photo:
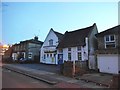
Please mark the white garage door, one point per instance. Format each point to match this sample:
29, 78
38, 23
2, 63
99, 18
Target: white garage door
108, 63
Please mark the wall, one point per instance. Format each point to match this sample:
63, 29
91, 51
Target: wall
46, 47
92, 48
92, 41
34, 49
101, 42
74, 53
119, 62
51, 35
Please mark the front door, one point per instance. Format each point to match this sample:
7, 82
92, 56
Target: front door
60, 58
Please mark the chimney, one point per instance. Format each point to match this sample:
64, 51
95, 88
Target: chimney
36, 38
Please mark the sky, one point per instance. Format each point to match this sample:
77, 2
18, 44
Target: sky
24, 20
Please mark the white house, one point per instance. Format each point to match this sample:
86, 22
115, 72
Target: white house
79, 45
48, 49
108, 53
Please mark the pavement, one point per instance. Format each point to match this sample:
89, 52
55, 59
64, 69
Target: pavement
59, 81
98, 78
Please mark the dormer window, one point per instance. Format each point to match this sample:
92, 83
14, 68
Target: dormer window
50, 42
110, 41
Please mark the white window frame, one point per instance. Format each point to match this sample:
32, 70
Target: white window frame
69, 59
44, 56
69, 49
51, 42
113, 41
70, 52
30, 55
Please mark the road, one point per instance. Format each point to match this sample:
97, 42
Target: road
15, 80
44, 67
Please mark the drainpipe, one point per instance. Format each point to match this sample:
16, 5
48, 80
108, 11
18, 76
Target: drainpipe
87, 44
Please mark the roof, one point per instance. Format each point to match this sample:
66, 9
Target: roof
59, 35
75, 38
113, 30
32, 41
36, 41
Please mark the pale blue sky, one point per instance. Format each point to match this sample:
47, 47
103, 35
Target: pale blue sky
22, 21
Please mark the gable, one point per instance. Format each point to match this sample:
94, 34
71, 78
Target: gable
51, 36
113, 30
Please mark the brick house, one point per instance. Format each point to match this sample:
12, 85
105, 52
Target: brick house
27, 50
108, 53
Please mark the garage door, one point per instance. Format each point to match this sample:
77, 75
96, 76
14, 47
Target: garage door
108, 63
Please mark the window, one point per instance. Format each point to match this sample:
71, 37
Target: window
110, 41
50, 55
60, 51
30, 55
78, 48
69, 49
47, 55
112, 38
50, 42
69, 56
79, 56
107, 38
54, 55
44, 56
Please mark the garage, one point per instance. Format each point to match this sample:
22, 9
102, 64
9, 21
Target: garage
108, 63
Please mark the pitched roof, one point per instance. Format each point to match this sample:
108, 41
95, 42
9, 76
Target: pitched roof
36, 41
113, 30
75, 38
59, 35
32, 41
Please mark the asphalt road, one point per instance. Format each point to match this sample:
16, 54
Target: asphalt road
15, 80
44, 67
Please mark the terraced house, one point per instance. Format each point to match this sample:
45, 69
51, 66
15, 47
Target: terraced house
108, 53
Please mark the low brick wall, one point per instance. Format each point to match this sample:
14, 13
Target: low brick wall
68, 68
80, 68
115, 82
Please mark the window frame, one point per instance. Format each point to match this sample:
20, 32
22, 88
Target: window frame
69, 49
47, 55
44, 56
51, 55
109, 41
79, 48
51, 42
69, 56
